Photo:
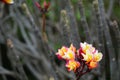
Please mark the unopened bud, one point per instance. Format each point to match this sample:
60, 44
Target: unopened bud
9, 43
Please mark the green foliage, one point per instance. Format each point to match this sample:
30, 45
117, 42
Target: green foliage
57, 46
29, 2
74, 1
78, 15
87, 6
116, 11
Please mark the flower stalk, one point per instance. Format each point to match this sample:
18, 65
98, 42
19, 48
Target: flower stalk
43, 10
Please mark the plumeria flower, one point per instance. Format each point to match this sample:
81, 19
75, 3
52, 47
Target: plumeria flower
66, 53
61, 52
7, 1
72, 65
97, 56
85, 46
69, 55
92, 65
90, 55
72, 48
87, 56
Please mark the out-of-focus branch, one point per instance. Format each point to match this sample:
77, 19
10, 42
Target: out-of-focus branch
34, 26
74, 36
3, 76
100, 33
15, 61
115, 28
110, 56
99, 27
7, 72
84, 21
110, 9
65, 28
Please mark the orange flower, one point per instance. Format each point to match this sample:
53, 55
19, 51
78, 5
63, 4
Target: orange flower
97, 56
72, 65
69, 55
61, 52
8, 1
72, 48
87, 56
92, 65
85, 47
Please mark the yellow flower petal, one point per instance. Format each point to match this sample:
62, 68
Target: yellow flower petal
72, 65
69, 55
93, 65
64, 49
97, 56
61, 52
72, 48
88, 56
85, 46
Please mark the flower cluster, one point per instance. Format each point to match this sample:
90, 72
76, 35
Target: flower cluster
90, 55
76, 60
68, 54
